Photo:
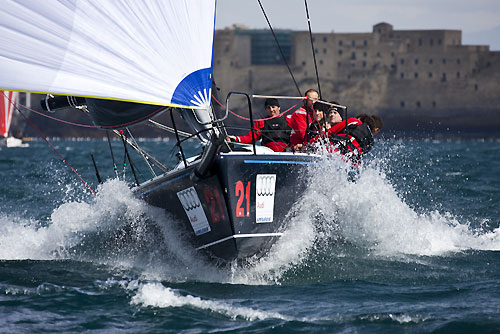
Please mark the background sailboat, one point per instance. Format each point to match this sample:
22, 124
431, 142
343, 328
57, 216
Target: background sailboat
8, 102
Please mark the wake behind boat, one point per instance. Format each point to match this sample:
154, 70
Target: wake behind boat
232, 200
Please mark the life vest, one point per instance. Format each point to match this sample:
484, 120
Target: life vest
359, 137
275, 130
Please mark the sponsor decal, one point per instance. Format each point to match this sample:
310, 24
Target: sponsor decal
265, 186
194, 210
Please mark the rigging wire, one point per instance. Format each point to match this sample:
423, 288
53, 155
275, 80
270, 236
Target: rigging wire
260, 119
168, 129
115, 169
127, 156
279, 47
312, 47
142, 154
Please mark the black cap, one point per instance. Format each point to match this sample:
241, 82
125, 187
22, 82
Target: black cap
338, 109
320, 106
271, 102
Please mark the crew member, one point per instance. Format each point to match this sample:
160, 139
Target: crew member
300, 120
274, 131
365, 118
351, 137
317, 126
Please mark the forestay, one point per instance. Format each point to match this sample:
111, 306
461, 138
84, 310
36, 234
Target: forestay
147, 51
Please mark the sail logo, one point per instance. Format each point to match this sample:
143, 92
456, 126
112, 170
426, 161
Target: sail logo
265, 187
194, 210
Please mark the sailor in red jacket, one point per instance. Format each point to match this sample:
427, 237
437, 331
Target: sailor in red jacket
350, 137
300, 120
274, 131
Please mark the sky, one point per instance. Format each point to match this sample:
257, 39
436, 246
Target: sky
479, 20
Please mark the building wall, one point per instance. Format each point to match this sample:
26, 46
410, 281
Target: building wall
396, 73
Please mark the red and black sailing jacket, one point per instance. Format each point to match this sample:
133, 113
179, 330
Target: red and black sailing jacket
351, 136
275, 133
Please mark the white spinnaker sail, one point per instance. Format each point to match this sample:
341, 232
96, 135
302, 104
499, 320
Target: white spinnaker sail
149, 51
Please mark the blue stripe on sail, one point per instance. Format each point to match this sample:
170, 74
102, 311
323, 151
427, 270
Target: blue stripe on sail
195, 89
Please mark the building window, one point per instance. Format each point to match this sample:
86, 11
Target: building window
393, 54
340, 51
439, 42
378, 54
416, 61
458, 60
419, 42
402, 61
434, 104
476, 87
402, 104
303, 63
402, 75
353, 55
353, 65
430, 74
418, 104
365, 43
443, 78
444, 60
314, 39
349, 77
416, 75
365, 54
324, 51
324, 39
364, 64
340, 43
315, 50
431, 42
458, 75
321, 62
430, 61
353, 43
338, 64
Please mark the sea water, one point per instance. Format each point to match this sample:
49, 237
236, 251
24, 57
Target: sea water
412, 246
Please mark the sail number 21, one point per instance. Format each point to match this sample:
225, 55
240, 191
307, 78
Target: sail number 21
242, 193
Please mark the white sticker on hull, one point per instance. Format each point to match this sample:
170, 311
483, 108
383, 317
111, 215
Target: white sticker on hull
192, 206
264, 190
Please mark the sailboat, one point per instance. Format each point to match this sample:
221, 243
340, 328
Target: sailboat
125, 62
8, 101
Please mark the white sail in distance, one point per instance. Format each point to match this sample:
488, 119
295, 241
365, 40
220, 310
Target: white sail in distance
146, 51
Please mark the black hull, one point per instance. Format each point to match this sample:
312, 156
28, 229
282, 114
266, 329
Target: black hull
230, 225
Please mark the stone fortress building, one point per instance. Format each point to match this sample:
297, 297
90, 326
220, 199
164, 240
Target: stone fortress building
414, 79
